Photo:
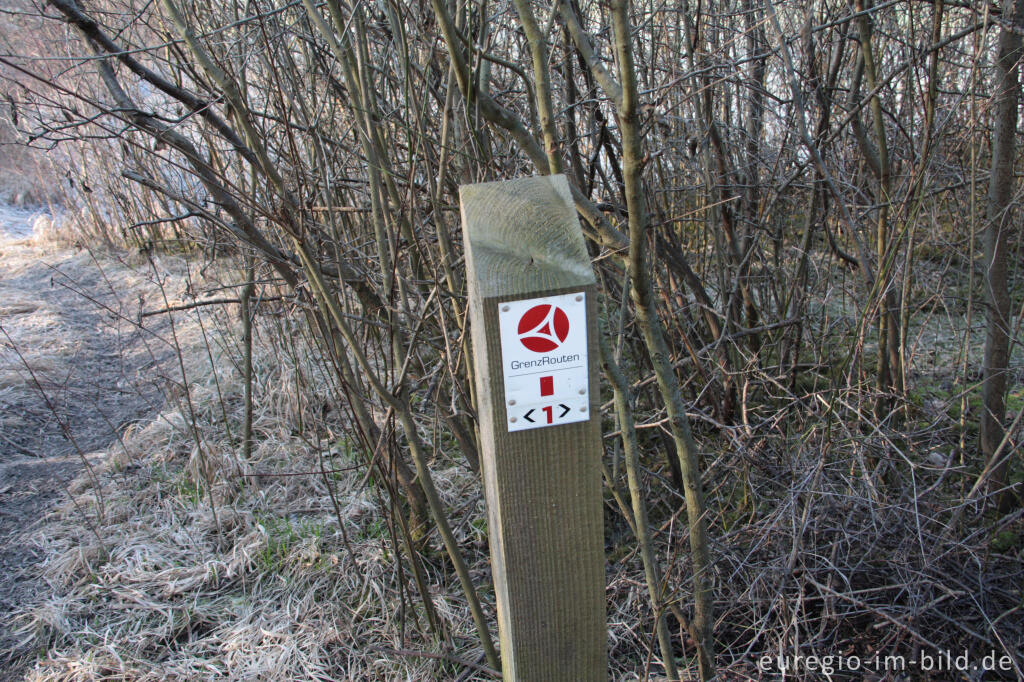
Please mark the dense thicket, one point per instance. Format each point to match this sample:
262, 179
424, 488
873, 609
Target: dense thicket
801, 218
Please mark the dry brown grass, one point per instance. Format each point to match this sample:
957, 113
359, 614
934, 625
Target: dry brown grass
257, 586
832, 536
815, 560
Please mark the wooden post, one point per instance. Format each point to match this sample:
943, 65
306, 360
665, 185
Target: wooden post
538, 402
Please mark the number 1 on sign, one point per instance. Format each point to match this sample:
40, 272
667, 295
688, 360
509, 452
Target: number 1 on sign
548, 410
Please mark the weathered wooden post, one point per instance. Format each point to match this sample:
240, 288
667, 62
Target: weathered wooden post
533, 314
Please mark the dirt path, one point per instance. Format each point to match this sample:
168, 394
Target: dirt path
73, 374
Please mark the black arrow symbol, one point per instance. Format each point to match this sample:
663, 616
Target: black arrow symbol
527, 416
565, 410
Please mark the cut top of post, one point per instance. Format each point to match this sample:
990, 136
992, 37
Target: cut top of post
506, 260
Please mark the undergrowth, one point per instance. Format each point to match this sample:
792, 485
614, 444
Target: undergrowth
832, 535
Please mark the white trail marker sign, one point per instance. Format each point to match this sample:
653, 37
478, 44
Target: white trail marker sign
544, 361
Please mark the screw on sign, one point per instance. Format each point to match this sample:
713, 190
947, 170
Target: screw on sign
543, 328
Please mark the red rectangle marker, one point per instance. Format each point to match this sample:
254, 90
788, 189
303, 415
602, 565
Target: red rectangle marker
547, 386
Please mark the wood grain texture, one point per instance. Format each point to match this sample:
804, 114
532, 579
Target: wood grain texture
543, 486
524, 236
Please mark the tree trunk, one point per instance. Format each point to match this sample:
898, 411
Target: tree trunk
999, 225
